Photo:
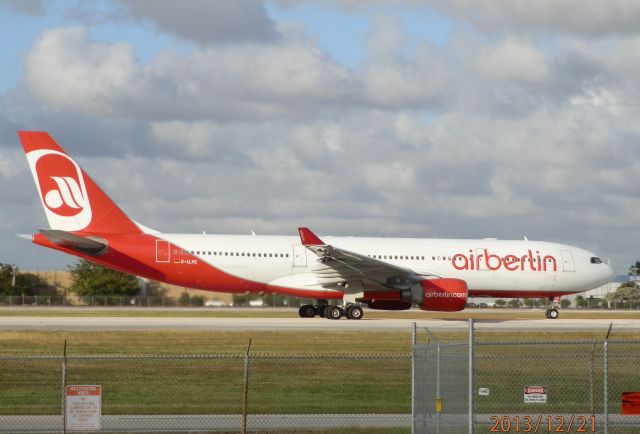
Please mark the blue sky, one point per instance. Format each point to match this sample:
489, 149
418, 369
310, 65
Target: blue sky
342, 33
426, 119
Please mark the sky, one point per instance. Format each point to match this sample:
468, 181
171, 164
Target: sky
434, 118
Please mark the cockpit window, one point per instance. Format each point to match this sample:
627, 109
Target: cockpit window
596, 260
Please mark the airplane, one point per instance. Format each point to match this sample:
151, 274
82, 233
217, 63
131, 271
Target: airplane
340, 273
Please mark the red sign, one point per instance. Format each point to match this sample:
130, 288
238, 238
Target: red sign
535, 389
630, 403
83, 391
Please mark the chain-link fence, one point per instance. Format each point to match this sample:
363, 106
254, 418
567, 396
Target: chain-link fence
540, 386
206, 393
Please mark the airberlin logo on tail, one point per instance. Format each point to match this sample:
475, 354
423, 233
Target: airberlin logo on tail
66, 198
62, 189
485, 260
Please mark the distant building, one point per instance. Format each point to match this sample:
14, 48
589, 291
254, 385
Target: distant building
61, 280
602, 291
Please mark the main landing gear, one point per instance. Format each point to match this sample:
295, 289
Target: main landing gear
330, 311
552, 309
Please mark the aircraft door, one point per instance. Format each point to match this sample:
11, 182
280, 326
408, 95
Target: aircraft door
299, 255
162, 251
567, 261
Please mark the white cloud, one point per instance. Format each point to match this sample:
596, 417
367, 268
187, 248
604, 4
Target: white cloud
67, 71
591, 18
514, 60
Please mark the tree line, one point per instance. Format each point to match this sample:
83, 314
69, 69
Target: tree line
90, 279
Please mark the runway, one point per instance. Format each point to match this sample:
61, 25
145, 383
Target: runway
88, 323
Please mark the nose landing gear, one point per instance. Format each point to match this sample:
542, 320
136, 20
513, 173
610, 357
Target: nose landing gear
552, 309
552, 313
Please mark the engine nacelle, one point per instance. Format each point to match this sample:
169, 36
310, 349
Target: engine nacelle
444, 294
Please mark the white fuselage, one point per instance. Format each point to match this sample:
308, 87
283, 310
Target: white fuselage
490, 267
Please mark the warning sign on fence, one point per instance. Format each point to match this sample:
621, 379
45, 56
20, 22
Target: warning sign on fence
535, 394
83, 408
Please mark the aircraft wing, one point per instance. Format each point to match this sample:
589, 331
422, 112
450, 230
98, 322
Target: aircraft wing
70, 240
336, 265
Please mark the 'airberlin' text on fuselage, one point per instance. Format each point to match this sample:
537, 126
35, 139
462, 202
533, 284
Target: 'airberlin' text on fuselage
489, 261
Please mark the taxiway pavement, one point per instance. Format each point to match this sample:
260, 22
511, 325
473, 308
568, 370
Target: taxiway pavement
89, 323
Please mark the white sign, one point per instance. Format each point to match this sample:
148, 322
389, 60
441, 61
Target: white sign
83, 408
483, 391
535, 394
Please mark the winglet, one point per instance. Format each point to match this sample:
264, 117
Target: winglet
308, 238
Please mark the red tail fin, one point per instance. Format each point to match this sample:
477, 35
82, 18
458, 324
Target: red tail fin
71, 200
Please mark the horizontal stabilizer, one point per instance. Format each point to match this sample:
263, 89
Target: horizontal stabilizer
69, 240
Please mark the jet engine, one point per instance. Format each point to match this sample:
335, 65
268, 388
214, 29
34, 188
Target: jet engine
443, 294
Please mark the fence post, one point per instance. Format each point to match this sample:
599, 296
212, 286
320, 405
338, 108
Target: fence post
246, 389
591, 379
438, 396
606, 380
471, 375
64, 386
414, 340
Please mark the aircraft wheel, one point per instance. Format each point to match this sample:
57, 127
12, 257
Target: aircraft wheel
553, 313
320, 310
354, 312
306, 311
332, 312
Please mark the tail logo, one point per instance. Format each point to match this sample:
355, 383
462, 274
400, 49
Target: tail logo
67, 194
62, 189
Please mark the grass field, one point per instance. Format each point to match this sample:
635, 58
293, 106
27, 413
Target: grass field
352, 371
375, 380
